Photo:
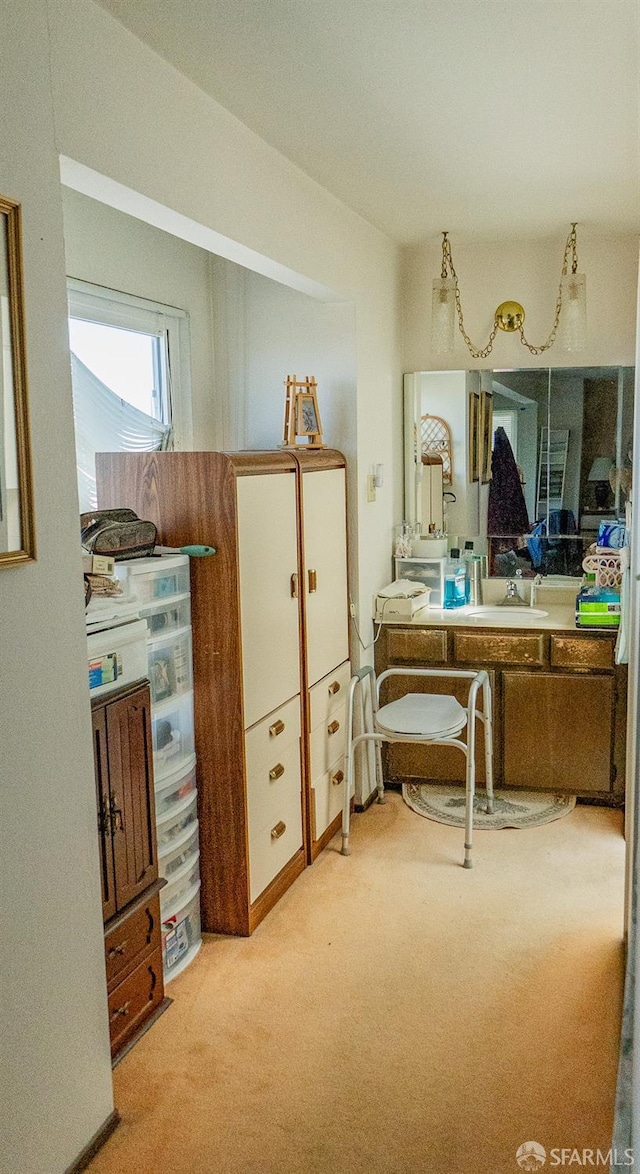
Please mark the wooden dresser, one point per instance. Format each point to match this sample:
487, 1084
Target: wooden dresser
270, 656
559, 706
128, 861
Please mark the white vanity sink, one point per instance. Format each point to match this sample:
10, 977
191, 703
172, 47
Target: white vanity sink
492, 614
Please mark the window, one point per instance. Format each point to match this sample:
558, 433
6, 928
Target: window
130, 377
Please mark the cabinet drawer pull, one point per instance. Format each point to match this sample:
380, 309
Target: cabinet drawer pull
337, 778
294, 586
276, 771
333, 727
313, 581
276, 728
118, 951
334, 688
278, 830
123, 1010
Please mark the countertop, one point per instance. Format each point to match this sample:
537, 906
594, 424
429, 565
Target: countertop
560, 617
556, 598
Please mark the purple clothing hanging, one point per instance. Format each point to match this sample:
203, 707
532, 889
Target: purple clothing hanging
507, 512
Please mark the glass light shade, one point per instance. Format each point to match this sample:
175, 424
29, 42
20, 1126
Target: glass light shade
443, 314
573, 319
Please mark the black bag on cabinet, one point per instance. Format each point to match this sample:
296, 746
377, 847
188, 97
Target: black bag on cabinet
118, 534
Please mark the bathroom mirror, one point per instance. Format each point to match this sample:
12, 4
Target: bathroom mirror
17, 539
570, 432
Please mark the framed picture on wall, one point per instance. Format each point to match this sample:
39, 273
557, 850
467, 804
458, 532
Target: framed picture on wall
474, 436
485, 432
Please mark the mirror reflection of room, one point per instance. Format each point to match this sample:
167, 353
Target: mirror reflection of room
560, 461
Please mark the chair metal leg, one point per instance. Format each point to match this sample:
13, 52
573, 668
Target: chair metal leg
348, 769
468, 812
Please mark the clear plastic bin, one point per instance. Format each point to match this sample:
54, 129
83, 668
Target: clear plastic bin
176, 787
182, 880
170, 670
116, 656
181, 933
174, 822
174, 856
172, 734
154, 579
427, 571
166, 617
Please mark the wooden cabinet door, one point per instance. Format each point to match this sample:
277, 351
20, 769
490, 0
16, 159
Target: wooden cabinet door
269, 606
105, 843
558, 731
325, 570
132, 796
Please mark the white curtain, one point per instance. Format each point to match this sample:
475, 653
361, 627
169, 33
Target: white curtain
106, 423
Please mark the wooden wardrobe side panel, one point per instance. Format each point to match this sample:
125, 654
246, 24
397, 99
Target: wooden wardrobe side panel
191, 498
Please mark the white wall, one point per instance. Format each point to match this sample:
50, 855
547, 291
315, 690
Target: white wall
127, 115
108, 248
56, 1071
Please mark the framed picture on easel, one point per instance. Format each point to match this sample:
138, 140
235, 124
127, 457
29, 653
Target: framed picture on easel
301, 414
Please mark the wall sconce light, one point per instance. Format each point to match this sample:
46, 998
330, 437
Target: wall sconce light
570, 319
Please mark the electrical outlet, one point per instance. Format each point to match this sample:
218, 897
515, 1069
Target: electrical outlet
371, 487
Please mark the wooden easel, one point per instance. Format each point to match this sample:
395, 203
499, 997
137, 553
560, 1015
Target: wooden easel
301, 414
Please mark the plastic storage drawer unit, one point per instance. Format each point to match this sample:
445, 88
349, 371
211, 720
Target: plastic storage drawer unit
175, 787
170, 669
116, 656
181, 934
153, 579
427, 571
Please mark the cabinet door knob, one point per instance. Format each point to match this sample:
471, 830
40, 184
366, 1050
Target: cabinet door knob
294, 586
313, 581
334, 687
276, 771
333, 727
123, 1010
337, 778
118, 951
278, 830
276, 728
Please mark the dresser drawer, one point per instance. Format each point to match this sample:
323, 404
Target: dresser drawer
480, 648
127, 945
264, 741
274, 773
327, 796
417, 646
135, 999
327, 742
575, 652
273, 844
329, 694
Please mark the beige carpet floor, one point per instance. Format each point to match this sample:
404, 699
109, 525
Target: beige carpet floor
395, 1013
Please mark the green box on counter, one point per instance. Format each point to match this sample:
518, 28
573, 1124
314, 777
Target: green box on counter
597, 608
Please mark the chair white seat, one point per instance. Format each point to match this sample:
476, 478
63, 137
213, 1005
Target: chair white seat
423, 719
426, 715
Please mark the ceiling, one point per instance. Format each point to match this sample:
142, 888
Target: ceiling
490, 118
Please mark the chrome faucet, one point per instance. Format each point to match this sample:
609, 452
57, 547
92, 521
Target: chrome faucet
513, 597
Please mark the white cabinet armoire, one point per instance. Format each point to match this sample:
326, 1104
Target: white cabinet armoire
270, 655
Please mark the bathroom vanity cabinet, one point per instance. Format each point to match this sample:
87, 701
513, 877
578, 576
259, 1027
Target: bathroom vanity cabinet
559, 706
270, 656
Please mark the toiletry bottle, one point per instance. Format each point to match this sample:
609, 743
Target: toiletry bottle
468, 557
454, 580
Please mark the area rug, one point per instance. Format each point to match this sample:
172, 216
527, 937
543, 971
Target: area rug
511, 809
